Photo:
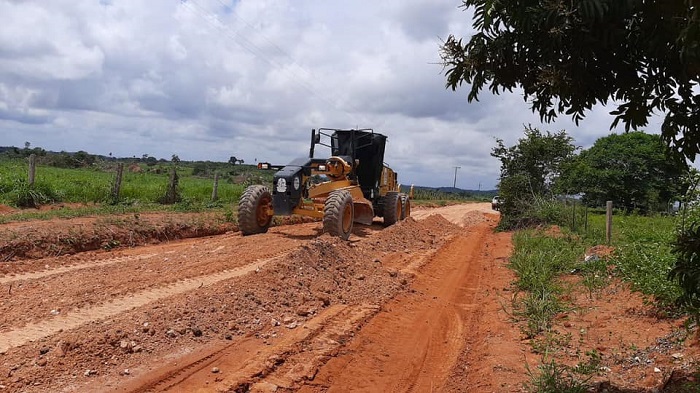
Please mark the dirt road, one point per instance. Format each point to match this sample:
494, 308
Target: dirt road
393, 309
425, 305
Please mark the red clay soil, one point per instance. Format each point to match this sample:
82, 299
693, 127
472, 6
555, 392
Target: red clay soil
423, 305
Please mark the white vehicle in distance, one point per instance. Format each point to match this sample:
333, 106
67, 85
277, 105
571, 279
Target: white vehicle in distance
496, 203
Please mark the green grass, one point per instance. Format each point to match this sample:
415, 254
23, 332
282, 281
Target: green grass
642, 256
556, 378
538, 260
66, 185
539, 257
426, 194
105, 210
643, 253
93, 185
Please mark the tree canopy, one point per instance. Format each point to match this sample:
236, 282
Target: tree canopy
568, 56
529, 170
634, 170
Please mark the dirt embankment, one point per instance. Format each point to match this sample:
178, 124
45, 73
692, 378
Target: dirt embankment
49, 238
423, 305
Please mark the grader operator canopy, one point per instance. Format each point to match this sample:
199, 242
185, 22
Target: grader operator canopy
365, 148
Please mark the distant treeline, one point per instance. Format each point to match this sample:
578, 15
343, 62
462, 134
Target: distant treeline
83, 159
441, 193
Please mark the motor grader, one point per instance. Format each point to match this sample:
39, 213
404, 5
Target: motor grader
352, 185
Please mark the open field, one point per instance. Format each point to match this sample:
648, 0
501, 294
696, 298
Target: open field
141, 184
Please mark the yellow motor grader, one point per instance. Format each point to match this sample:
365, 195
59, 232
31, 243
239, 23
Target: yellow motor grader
351, 185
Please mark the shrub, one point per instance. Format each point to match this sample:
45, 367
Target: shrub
686, 271
686, 247
24, 195
533, 211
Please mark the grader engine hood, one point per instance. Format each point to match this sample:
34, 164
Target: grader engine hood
287, 186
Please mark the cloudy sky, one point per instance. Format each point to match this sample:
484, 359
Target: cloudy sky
210, 79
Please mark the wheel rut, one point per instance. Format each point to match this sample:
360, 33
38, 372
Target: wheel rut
254, 364
413, 346
83, 281
76, 318
65, 269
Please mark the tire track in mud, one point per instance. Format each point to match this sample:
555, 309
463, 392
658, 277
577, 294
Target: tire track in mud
413, 346
74, 319
33, 296
304, 357
293, 361
252, 365
66, 269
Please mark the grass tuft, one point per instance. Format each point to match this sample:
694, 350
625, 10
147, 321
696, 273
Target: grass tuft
538, 260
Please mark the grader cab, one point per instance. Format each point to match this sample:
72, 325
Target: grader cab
352, 185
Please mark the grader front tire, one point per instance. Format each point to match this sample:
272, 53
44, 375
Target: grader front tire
339, 214
255, 210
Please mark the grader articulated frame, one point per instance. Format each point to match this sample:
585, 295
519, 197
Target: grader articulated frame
351, 185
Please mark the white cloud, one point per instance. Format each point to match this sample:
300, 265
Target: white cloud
38, 44
208, 79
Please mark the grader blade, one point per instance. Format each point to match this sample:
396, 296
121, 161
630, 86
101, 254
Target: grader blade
364, 213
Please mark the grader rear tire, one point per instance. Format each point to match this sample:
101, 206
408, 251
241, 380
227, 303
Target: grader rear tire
339, 214
405, 206
254, 210
392, 208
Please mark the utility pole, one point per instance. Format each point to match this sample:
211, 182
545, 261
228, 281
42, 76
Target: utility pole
454, 184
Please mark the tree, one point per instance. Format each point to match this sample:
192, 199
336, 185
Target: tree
634, 170
568, 56
71, 160
529, 171
233, 160
83, 159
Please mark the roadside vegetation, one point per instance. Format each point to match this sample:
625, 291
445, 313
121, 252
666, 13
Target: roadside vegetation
641, 256
552, 198
83, 183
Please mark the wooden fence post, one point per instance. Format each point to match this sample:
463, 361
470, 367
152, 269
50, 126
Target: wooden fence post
117, 186
608, 221
32, 169
215, 191
171, 195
